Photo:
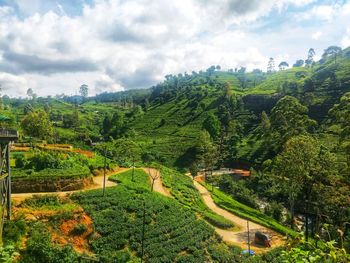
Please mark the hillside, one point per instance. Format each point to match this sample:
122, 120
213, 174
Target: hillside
289, 129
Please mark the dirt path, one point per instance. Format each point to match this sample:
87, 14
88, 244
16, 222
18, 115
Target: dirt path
158, 185
239, 237
97, 184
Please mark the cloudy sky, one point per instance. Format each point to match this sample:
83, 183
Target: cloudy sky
54, 46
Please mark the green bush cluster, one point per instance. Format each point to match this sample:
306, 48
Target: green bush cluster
140, 179
172, 232
40, 249
227, 202
182, 188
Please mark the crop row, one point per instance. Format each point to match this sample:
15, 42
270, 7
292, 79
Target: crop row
172, 232
182, 188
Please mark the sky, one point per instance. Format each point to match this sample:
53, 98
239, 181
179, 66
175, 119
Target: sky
55, 46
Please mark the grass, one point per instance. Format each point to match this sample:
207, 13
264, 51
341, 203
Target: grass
125, 178
228, 203
182, 188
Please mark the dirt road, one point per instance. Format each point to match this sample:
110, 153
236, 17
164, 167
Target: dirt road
239, 237
158, 185
97, 184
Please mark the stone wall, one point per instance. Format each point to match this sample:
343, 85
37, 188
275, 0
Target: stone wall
49, 184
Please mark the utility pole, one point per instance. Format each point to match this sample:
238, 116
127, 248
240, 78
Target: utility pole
104, 171
248, 237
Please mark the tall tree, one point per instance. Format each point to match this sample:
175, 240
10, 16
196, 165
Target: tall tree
271, 65
341, 113
310, 57
84, 90
207, 152
283, 65
332, 51
298, 63
212, 125
265, 121
301, 168
37, 124
288, 118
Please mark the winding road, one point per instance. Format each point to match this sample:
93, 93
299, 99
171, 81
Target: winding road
238, 236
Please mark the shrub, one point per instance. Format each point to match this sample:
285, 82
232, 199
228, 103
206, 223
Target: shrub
78, 229
38, 201
274, 210
14, 230
19, 161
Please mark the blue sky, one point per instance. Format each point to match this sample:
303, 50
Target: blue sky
54, 47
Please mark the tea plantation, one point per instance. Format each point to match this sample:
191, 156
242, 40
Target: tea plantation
172, 233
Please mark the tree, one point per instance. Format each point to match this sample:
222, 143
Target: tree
30, 93
84, 90
298, 63
332, 51
37, 124
194, 169
283, 65
265, 121
154, 173
301, 168
212, 125
288, 118
126, 151
341, 113
207, 152
310, 57
271, 65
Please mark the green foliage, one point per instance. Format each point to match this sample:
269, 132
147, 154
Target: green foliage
288, 118
182, 188
40, 249
42, 160
301, 250
78, 229
226, 202
140, 179
274, 210
19, 161
38, 201
8, 254
37, 124
76, 171
238, 191
54, 164
304, 167
14, 229
170, 229
212, 125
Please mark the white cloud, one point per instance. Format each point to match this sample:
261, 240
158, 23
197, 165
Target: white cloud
12, 85
316, 35
115, 45
345, 42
